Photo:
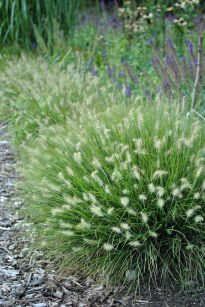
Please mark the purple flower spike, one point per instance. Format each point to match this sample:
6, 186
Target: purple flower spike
34, 45
93, 72
128, 90
151, 41
190, 46
105, 54
102, 4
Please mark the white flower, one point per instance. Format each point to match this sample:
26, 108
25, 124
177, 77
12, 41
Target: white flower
116, 229
138, 143
125, 226
151, 188
92, 197
185, 184
159, 173
83, 224
107, 189
157, 143
123, 148
199, 171
65, 225
86, 179
110, 210
54, 187
67, 233
128, 157
125, 191
108, 247
199, 161
110, 159
61, 176
127, 235
96, 210
77, 200
153, 234
96, 163
106, 132
116, 175
72, 200
160, 203
198, 219
131, 211
196, 195
135, 172
85, 197
135, 243
69, 171
124, 201
77, 157
77, 146
176, 192
144, 217
95, 176
142, 197
160, 191
55, 211
189, 212
91, 242
197, 207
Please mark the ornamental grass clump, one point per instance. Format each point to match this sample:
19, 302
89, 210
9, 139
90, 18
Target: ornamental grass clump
120, 195
34, 93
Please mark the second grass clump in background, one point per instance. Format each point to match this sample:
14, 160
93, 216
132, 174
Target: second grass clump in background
120, 194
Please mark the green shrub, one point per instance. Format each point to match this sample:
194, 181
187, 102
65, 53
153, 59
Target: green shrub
120, 194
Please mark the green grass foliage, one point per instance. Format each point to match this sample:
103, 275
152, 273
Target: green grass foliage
120, 194
19, 17
34, 94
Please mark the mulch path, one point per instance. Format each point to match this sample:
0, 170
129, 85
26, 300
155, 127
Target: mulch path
24, 280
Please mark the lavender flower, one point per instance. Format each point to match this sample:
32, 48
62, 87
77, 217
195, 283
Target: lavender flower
128, 90
191, 68
102, 4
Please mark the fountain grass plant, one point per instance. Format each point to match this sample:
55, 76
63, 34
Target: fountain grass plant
119, 194
36, 93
